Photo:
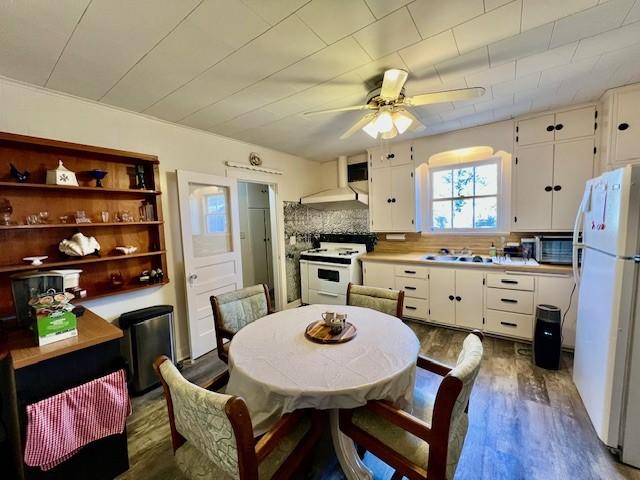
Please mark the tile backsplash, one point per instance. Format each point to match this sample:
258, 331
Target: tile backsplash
303, 223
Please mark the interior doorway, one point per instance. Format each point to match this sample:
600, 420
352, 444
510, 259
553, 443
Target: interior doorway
255, 209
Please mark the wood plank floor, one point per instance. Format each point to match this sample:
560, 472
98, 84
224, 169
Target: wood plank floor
525, 422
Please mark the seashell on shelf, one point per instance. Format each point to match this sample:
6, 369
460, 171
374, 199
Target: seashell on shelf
127, 250
79, 245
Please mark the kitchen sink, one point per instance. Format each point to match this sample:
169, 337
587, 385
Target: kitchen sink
458, 258
441, 258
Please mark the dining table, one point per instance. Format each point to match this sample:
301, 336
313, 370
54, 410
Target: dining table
277, 370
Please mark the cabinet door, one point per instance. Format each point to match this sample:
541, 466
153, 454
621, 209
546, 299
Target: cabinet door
403, 198
378, 274
575, 123
378, 157
627, 126
400, 154
380, 200
442, 295
469, 298
572, 167
533, 188
556, 290
536, 130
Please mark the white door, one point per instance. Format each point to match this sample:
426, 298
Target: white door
380, 200
534, 187
627, 127
575, 123
469, 298
536, 130
572, 167
258, 239
403, 206
378, 274
442, 295
209, 221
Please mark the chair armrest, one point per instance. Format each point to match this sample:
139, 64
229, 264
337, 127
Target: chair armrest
433, 366
402, 419
217, 382
224, 333
281, 429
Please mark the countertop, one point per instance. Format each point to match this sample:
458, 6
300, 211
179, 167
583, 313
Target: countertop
417, 258
92, 330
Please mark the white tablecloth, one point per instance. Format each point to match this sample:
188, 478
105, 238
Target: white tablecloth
277, 370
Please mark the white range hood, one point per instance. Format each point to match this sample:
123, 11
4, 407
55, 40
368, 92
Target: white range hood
345, 196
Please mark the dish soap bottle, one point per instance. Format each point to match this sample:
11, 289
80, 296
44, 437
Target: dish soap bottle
492, 251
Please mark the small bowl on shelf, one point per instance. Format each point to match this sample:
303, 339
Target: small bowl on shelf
98, 175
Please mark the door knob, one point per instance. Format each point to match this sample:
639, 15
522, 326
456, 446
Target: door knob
548, 188
623, 126
550, 128
559, 126
557, 188
458, 298
391, 155
388, 200
192, 278
451, 297
393, 200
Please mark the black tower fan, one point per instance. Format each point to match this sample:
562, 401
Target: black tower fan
547, 339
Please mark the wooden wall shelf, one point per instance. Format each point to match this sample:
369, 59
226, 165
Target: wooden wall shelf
119, 194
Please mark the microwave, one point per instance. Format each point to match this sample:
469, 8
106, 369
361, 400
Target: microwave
557, 249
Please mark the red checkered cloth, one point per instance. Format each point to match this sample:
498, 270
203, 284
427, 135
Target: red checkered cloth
59, 426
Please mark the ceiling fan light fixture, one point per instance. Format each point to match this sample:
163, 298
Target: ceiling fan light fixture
401, 121
390, 134
371, 129
384, 121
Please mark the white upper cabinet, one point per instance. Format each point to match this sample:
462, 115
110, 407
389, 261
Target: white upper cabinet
572, 167
389, 155
554, 158
626, 127
393, 199
561, 125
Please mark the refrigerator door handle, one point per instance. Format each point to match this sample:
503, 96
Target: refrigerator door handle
577, 245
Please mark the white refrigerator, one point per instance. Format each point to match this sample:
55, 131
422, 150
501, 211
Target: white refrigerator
606, 367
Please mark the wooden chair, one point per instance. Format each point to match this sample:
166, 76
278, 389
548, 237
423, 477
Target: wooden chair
212, 435
234, 310
427, 443
380, 299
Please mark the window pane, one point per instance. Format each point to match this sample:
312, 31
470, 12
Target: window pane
216, 224
442, 214
463, 214
487, 179
215, 203
486, 212
442, 184
463, 182
209, 205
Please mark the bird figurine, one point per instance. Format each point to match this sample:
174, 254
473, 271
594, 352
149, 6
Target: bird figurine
21, 177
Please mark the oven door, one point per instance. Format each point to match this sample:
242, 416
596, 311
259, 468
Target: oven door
329, 278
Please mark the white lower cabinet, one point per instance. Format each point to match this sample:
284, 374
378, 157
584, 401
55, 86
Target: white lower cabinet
456, 297
442, 287
509, 324
378, 274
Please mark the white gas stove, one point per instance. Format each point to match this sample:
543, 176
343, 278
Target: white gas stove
326, 271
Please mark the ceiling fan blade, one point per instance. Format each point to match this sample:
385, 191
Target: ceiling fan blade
416, 125
444, 96
392, 83
358, 125
341, 109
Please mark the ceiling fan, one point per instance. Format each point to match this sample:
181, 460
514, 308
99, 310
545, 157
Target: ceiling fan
389, 114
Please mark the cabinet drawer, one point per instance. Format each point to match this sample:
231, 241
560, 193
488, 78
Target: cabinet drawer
509, 324
411, 271
512, 282
327, 298
510, 300
414, 308
413, 287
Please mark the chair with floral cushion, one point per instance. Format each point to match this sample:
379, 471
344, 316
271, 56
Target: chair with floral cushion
212, 436
234, 310
380, 299
427, 443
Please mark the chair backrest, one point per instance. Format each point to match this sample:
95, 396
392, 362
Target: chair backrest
380, 299
234, 310
466, 369
211, 421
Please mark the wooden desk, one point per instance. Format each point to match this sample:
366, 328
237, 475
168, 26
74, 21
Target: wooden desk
29, 373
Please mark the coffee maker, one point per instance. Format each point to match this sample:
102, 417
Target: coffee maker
25, 286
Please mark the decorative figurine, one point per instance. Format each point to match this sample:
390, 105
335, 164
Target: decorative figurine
254, 159
61, 176
140, 182
98, 175
35, 261
127, 250
21, 177
80, 245
5, 212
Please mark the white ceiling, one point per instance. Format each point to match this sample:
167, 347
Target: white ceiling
248, 68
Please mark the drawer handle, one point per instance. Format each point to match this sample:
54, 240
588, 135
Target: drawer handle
509, 324
509, 282
409, 307
508, 300
327, 294
410, 272
410, 288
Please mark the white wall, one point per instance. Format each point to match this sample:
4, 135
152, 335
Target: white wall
29, 110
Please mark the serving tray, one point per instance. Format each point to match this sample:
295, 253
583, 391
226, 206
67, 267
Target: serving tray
320, 332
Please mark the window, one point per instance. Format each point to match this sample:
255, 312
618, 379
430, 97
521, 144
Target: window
216, 213
465, 197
